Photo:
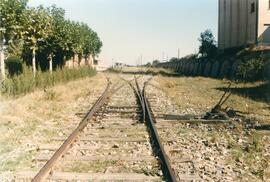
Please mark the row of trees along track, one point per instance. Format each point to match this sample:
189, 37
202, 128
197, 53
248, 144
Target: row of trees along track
121, 116
43, 35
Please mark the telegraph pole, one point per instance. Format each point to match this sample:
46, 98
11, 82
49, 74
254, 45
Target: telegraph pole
163, 56
178, 53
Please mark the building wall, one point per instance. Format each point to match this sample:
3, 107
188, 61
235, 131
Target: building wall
264, 18
237, 25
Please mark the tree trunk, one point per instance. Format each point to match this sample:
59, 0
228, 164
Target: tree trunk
50, 64
79, 60
34, 61
86, 61
92, 60
2, 58
69, 64
73, 61
2, 64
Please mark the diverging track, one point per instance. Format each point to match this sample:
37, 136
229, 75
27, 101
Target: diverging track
112, 143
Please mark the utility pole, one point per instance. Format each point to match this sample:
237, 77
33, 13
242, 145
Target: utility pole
141, 62
162, 56
178, 53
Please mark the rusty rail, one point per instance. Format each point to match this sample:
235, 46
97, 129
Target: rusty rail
166, 165
148, 118
140, 97
46, 169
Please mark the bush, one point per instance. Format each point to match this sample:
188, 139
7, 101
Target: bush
26, 82
251, 70
14, 65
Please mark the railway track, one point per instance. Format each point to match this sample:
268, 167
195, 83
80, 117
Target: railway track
197, 153
111, 143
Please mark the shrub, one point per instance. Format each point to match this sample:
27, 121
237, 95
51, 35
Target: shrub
26, 82
251, 70
14, 65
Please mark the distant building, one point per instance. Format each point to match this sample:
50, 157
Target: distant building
119, 65
243, 22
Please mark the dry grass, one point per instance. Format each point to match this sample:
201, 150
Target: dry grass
33, 119
202, 94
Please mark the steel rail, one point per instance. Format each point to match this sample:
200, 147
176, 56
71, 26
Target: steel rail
166, 166
140, 97
46, 169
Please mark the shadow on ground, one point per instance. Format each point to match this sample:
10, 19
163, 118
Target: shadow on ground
258, 93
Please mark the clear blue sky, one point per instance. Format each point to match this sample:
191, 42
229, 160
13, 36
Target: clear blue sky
130, 28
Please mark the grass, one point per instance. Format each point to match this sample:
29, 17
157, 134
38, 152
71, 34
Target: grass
252, 155
26, 82
89, 166
202, 94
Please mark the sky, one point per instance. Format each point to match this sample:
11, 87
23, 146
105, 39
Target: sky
147, 29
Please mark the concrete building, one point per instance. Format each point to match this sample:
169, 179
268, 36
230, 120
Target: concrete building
243, 22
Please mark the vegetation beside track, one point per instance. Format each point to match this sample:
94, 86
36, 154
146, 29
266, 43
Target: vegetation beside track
31, 120
201, 94
25, 82
198, 95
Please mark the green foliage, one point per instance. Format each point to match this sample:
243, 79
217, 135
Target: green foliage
45, 30
25, 82
155, 62
14, 65
38, 26
208, 46
11, 22
173, 59
148, 64
251, 70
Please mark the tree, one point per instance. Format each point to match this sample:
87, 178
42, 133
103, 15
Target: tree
93, 44
148, 64
208, 46
37, 28
11, 27
155, 62
55, 43
174, 59
43, 34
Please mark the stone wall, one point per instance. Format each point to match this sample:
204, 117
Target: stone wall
225, 68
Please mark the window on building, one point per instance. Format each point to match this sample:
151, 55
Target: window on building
252, 8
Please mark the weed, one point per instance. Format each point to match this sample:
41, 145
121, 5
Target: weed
50, 94
85, 166
237, 153
256, 143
